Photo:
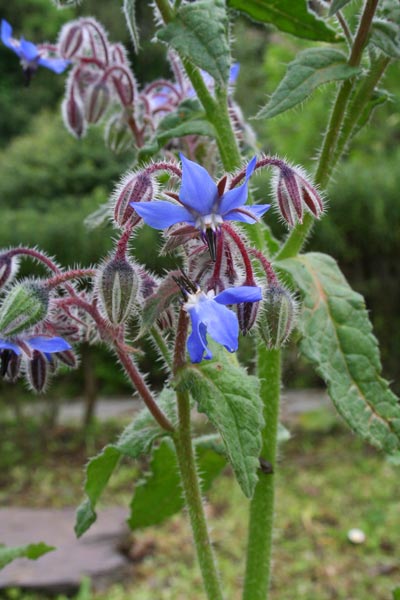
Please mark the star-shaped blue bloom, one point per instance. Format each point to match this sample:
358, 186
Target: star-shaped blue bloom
46, 345
201, 204
209, 315
29, 54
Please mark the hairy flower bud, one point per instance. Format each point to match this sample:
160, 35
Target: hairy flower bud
73, 114
295, 194
247, 315
8, 268
117, 134
25, 305
68, 357
97, 100
10, 364
136, 187
277, 317
70, 40
118, 287
37, 371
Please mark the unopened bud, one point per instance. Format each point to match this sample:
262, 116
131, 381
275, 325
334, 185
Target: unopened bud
277, 317
133, 188
96, 101
68, 357
247, 315
25, 305
10, 364
117, 134
37, 371
8, 268
295, 194
70, 40
118, 287
74, 118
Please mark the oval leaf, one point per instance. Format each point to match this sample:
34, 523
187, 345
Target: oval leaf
290, 16
385, 35
231, 400
310, 69
199, 32
338, 340
31, 551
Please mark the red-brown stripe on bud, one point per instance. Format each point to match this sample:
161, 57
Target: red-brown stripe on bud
97, 100
70, 40
137, 187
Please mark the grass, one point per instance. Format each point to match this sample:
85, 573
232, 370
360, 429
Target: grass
329, 482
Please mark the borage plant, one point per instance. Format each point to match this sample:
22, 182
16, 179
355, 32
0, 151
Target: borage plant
234, 276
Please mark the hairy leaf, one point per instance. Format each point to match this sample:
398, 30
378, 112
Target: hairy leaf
337, 5
377, 98
310, 69
386, 36
130, 16
199, 32
134, 441
160, 494
31, 551
290, 16
230, 398
338, 340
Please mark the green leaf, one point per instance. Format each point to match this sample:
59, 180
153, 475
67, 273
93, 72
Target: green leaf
386, 36
338, 340
230, 398
31, 551
134, 441
290, 16
377, 98
396, 594
337, 5
160, 495
310, 69
199, 32
130, 16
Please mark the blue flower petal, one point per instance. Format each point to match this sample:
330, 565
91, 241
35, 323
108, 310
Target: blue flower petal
6, 34
159, 214
257, 209
48, 345
197, 341
5, 345
222, 324
238, 196
28, 50
58, 65
236, 295
234, 72
198, 190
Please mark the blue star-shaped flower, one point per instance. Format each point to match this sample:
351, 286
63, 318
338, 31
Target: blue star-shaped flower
46, 345
209, 315
201, 204
29, 54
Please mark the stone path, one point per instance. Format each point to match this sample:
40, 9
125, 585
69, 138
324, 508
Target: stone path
96, 555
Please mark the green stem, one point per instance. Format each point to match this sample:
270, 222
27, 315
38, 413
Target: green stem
298, 235
161, 345
188, 472
258, 565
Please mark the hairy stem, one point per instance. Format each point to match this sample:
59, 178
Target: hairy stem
258, 566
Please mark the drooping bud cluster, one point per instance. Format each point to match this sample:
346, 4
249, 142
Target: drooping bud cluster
118, 287
295, 195
277, 317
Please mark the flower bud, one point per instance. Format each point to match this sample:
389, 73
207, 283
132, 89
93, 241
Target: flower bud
8, 268
10, 364
96, 101
25, 305
137, 187
72, 111
277, 317
70, 40
247, 315
295, 194
68, 357
117, 134
118, 287
37, 371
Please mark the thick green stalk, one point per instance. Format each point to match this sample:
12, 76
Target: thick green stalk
298, 236
258, 565
188, 472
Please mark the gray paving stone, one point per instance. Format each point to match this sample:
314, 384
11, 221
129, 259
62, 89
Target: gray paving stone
96, 555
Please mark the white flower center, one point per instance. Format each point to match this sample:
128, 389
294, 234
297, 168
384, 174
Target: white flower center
212, 221
194, 299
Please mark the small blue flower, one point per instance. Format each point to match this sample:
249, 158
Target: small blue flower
209, 315
29, 54
46, 345
201, 204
